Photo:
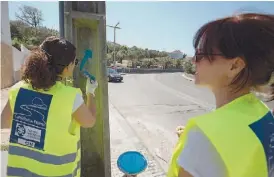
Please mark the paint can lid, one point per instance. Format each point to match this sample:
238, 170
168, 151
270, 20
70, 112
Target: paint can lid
132, 162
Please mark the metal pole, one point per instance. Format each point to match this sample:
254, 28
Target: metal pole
61, 19
114, 41
114, 55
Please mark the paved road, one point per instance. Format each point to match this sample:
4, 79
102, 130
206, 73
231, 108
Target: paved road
155, 104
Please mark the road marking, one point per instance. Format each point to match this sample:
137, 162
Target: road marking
186, 97
184, 79
187, 78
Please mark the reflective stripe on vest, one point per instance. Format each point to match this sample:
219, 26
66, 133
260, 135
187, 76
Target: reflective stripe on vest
11, 171
239, 146
44, 158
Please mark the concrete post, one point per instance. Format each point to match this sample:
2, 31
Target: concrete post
88, 31
68, 20
114, 47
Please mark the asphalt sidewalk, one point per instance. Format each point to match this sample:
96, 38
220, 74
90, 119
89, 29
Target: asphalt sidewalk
122, 138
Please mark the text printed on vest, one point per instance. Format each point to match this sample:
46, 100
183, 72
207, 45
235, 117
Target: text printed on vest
30, 118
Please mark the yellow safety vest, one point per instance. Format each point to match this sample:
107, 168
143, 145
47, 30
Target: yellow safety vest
242, 133
41, 144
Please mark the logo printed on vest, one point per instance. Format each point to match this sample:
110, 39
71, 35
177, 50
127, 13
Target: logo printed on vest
30, 118
264, 130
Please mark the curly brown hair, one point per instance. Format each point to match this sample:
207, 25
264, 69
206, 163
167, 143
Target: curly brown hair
46, 63
249, 36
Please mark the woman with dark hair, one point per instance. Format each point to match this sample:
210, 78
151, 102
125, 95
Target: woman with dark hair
234, 57
45, 115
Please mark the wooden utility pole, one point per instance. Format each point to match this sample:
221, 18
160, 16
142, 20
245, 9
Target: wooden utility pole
85, 26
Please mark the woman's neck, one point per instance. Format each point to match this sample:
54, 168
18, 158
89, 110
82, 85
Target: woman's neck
224, 96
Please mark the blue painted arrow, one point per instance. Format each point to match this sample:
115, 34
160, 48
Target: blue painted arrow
88, 55
91, 77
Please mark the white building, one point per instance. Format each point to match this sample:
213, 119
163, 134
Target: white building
7, 73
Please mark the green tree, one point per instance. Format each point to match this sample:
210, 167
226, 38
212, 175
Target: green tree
189, 67
178, 63
16, 43
15, 31
22, 33
138, 56
30, 15
121, 54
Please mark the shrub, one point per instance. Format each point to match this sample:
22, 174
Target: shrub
189, 67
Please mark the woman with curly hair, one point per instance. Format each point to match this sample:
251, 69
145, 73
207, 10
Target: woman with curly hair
45, 115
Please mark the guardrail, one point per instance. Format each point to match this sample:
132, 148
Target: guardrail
148, 70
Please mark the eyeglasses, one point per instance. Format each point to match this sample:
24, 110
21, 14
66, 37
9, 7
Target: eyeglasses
199, 56
76, 61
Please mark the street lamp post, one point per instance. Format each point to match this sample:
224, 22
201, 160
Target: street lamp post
114, 41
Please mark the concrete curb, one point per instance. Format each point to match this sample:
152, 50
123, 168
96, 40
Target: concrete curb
5, 135
4, 147
187, 78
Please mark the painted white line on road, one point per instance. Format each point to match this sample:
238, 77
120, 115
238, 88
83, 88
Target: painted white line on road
176, 74
186, 97
187, 78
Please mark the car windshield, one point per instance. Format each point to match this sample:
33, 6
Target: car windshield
112, 71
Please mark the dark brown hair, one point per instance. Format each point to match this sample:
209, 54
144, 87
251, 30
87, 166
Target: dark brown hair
249, 36
45, 63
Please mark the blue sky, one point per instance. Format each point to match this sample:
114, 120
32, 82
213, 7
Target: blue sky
165, 26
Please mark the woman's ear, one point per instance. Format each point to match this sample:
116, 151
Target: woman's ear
236, 66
